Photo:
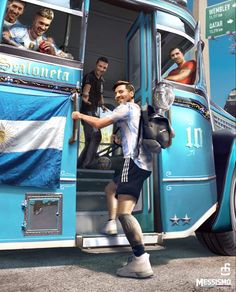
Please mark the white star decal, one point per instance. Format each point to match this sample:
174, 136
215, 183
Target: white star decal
175, 220
186, 219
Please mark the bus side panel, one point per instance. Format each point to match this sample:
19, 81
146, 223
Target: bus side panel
188, 188
12, 215
223, 221
38, 214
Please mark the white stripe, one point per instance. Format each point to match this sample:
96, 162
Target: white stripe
37, 244
191, 179
125, 171
22, 136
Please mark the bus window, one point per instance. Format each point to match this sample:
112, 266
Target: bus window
171, 41
134, 60
173, 23
47, 29
71, 4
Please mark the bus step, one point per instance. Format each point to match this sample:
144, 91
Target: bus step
93, 241
91, 184
92, 222
91, 201
95, 173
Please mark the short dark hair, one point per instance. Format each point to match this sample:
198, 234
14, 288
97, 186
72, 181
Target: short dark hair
21, 2
181, 50
102, 59
127, 84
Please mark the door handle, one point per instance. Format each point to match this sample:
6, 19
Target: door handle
74, 136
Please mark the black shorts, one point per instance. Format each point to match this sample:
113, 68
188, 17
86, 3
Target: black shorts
130, 181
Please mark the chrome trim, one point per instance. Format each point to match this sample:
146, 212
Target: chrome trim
55, 7
182, 179
86, 241
84, 213
65, 179
171, 8
37, 244
188, 232
175, 31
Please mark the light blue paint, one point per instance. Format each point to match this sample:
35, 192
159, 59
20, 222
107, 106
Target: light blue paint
223, 220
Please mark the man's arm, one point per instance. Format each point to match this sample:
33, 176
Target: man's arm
93, 121
102, 105
7, 39
47, 47
184, 73
101, 101
85, 94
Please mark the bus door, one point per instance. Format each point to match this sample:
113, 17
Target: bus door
139, 73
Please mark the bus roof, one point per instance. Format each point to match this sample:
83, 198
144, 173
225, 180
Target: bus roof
170, 6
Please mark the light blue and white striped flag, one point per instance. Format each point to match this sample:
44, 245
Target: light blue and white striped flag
31, 139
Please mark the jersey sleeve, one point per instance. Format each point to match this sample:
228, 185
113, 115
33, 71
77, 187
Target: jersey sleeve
120, 113
17, 31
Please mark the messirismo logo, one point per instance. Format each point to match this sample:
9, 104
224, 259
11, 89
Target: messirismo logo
217, 282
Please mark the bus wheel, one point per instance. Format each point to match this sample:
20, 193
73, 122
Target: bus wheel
222, 243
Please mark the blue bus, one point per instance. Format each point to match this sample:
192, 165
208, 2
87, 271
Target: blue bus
45, 200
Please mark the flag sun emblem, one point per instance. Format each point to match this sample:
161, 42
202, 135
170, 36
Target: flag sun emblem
6, 136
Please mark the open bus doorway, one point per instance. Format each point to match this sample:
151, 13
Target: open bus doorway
106, 34
108, 26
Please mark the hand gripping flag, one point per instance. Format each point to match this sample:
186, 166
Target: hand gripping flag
31, 138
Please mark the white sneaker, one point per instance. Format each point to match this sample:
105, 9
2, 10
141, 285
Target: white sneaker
110, 228
137, 267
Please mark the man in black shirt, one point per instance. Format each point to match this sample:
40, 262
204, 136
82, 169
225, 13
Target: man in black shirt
92, 98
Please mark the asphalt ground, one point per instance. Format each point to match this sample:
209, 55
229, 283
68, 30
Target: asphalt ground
182, 265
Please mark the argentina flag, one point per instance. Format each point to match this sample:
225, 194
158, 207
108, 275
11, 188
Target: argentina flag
31, 138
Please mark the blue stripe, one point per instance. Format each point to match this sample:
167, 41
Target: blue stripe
29, 107
38, 168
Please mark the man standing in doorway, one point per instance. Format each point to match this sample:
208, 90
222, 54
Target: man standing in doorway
92, 98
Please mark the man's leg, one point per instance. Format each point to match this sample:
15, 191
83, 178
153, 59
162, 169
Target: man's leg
111, 226
130, 225
95, 139
140, 266
87, 136
110, 191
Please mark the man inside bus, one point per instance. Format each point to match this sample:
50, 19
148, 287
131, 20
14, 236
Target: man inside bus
92, 98
186, 70
15, 8
34, 38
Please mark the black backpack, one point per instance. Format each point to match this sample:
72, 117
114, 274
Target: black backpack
155, 131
